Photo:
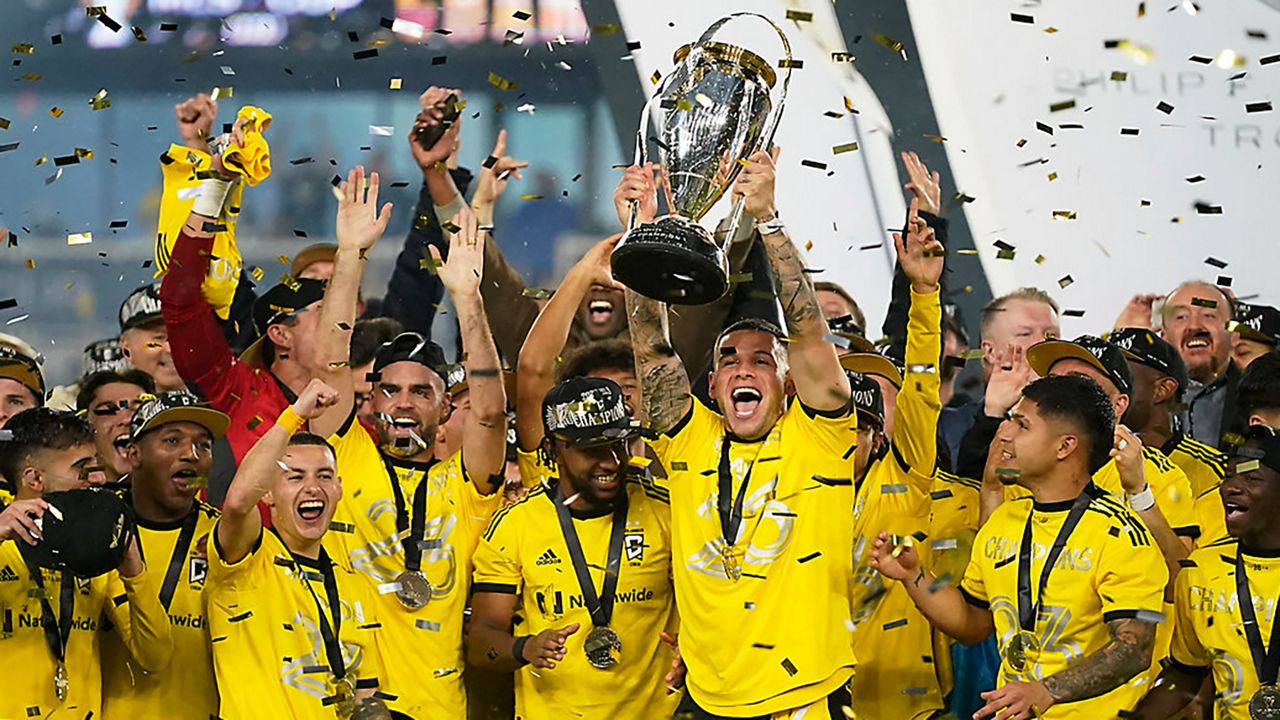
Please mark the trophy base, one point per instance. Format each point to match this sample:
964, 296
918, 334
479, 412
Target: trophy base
673, 260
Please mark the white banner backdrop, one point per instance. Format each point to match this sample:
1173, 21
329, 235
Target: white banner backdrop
841, 209
1150, 115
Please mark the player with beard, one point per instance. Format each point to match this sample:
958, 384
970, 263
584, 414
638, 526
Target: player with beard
408, 523
761, 495
585, 564
280, 594
109, 398
171, 450
1068, 579
1226, 600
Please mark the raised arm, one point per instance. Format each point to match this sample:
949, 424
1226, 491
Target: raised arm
535, 373
484, 436
664, 384
942, 605
359, 225
241, 524
1130, 462
918, 405
815, 367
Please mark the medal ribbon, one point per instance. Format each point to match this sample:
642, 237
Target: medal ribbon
402, 513
600, 606
730, 517
1028, 610
176, 561
1266, 659
57, 629
417, 528
329, 628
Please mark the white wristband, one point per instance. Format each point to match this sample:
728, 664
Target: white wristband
213, 193
1143, 501
771, 226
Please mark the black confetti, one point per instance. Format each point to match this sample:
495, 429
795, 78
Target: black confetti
1215, 262
1020, 18
365, 54
1257, 107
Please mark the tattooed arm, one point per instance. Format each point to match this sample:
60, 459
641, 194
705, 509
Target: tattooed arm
664, 384
1128, 654
815, 367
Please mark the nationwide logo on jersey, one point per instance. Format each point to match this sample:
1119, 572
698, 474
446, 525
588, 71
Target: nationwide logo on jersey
197, 570
548, 557
8, 575
633, 542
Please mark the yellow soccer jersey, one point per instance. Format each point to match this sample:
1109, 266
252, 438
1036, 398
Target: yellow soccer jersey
779, 636
130, 606
423, 647
186, 687
1209, 632
1168, 483
954, 513
524, 553
1110, 568
268, 652
533, 472
897, 677
1205, 468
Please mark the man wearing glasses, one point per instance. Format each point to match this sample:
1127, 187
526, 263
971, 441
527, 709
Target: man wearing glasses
109, 398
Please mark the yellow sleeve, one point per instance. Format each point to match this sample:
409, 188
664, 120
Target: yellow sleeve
134, 608
533, 472
1186, 648
699, 426
1132, 573
1173, 494
916, 410
497, 559
371, 671
477, 509
183, 170
239, 575
974, 583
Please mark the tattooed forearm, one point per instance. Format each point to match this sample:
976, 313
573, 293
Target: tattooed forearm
664, 384
795, 290
1128, 654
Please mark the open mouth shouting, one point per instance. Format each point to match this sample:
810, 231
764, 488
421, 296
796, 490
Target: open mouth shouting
186, 479
310, 510
600, 312
1197, 340
1235, 511
120, 451
745, 401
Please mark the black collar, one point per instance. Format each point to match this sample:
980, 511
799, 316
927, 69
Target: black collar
1172, 443
161, 525
1259, 552
1061, 505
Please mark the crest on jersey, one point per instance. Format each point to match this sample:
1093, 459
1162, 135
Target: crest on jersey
197, 570
634, 544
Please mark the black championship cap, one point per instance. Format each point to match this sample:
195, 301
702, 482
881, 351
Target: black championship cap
867, 398
141, 307
1259, 323
174, 407
1107, 358
25, 370
280, 302
104, 354
412, 347
1143, 346
1256, 443
85, 532
586, 411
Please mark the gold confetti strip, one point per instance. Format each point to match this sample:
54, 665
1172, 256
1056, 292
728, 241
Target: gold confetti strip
221, 92
79, 238
26, 48
56, 111
500, 82
655, 77
799, 16
1248, 466
890, 43
530, 197
396, 83
847, 147
85, 153
1064, 214
538, 293
1053, 176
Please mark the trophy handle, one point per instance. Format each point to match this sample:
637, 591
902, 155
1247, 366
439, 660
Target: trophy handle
771, 125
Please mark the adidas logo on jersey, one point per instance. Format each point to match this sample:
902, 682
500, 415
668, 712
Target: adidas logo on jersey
8, 575
548, 557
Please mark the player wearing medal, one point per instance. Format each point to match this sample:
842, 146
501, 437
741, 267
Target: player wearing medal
50, 621
170, 450
1069, 579
408, 523
294, 629
1225, 600
761, 496
585, 563
897, 678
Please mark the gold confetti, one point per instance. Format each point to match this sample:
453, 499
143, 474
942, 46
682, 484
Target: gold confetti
26, 48
1053, 176
684, 105
500, 82
30, 263
1040, 259
396, 83
1064, 214
55, 111
605, 29
221, 92
799, 15
42, 160
655, 77
1051, 30
1248, 466
4, 123
79, 238
890, 43
530, 197
85, 153
847, 147
1140, 54
848, 105
284, 259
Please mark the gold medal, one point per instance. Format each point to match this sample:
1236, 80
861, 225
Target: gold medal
603, 647
415, 591
732, 567
344, 696
60, 681
1265, 703
1018, 653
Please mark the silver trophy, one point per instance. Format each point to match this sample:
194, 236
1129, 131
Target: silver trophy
714, 110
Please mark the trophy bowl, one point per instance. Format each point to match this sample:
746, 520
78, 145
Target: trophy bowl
713, 112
